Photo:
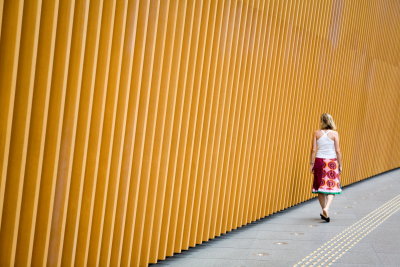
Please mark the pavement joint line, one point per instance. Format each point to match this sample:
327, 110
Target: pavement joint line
362, 228
351, 239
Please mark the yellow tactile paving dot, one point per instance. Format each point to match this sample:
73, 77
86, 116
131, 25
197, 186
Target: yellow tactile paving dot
335, 248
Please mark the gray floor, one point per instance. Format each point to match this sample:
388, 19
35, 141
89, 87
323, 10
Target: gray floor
285, 238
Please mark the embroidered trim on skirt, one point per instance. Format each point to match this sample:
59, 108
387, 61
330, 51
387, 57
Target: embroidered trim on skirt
326, 176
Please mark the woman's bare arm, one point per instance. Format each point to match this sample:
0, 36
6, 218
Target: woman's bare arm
337, 148
313, 149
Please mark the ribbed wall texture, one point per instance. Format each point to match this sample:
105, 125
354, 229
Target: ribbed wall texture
130, 130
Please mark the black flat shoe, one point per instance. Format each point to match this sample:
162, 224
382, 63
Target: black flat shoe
327, 219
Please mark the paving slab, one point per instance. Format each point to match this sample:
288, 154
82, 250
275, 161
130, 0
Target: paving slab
289, 236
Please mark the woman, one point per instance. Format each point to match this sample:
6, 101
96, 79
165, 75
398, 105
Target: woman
326, 164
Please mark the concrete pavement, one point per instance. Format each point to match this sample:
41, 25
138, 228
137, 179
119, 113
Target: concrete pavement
364, 231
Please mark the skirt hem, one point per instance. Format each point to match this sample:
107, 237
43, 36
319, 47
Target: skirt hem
328, 193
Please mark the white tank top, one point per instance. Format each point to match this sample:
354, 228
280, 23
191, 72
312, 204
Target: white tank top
326, 147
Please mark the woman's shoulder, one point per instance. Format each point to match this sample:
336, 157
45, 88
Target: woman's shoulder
334, 134
333, 131
319, 132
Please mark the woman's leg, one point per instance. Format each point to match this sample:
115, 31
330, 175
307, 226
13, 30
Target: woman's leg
321, 198
328, 202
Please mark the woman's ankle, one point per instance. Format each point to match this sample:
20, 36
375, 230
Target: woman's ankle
325, 212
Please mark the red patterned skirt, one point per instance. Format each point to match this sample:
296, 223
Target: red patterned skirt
326, 176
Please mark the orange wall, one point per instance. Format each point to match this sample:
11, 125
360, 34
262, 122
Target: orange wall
130, 130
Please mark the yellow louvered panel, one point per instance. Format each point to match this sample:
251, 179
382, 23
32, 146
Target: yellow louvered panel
133, 130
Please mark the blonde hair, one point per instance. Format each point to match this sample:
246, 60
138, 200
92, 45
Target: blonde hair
327, 122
